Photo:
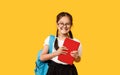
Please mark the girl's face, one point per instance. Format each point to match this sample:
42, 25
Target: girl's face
64, 25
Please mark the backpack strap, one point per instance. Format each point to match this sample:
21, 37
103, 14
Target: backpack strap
41, 66
51, 40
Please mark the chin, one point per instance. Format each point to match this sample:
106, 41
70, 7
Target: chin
65, 32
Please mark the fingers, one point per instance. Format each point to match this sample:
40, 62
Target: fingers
74, 52
64, 48
64, 52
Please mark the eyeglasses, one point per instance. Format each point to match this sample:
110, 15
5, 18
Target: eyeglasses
66, 24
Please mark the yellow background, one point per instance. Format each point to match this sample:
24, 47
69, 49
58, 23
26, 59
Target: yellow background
24, 24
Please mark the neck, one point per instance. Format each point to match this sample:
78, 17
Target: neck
63, 36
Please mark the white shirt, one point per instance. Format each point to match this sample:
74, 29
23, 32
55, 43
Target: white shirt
60, 44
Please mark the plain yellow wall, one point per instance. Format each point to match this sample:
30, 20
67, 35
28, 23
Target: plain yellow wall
24, 25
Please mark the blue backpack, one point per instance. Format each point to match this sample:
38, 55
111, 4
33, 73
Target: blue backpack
42, 67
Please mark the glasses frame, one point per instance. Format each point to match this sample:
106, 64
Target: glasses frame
64, 24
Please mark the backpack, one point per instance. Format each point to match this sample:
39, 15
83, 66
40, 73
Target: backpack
42, 67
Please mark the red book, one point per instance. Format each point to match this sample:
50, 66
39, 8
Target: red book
70, 45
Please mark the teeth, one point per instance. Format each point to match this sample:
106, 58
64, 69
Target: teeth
63, 29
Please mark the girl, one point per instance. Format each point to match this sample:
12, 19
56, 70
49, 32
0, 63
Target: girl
56, 67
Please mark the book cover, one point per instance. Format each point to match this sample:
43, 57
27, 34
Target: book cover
71, 45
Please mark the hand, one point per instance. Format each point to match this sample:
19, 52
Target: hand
74, 54
61, 50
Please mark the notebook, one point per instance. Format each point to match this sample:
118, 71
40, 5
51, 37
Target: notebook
71, 45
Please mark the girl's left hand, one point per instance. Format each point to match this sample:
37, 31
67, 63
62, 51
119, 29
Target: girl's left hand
74, 54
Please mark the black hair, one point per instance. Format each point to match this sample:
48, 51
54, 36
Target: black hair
59, 16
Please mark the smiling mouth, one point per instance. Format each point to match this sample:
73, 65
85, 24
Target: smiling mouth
64, 29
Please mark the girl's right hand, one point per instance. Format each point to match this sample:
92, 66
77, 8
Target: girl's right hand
61, 50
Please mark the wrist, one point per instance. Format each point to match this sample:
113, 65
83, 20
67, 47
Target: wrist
77, 59
55, 53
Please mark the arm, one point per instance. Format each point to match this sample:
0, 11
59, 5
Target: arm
78, 59
78, 54
75, 54
45, 56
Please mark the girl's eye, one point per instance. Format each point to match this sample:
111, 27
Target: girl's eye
66, 24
